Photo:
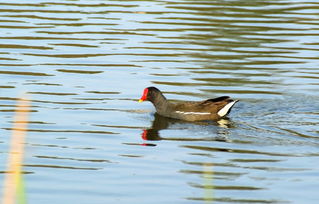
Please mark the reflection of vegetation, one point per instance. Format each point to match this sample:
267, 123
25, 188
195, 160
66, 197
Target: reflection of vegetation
14, 191
208, 175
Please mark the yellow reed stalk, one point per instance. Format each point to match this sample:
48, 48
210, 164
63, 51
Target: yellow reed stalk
13, 177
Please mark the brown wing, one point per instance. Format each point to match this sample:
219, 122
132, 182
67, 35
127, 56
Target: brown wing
210, 105
215, 100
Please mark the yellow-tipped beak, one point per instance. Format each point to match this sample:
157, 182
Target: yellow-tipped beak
140, 101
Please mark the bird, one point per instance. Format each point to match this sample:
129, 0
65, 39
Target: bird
210, 109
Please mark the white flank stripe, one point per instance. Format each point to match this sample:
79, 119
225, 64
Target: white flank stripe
222, 112
188, 113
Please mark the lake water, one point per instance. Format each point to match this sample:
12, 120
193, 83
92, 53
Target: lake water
84, 64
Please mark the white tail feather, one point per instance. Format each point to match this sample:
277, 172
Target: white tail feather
222, 112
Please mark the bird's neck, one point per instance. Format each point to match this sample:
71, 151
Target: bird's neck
160, 102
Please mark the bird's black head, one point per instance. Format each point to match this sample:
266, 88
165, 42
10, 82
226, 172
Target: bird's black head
149, 94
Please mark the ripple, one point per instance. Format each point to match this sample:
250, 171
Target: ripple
79, 71
52, 93
64, 131
59, 167
25, 73
12, 46
73, 159
241, 151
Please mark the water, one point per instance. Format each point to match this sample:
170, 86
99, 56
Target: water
84, 64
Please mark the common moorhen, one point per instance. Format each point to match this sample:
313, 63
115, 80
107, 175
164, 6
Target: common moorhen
211, 109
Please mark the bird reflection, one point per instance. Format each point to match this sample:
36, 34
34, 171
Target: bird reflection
162, 123
159, 123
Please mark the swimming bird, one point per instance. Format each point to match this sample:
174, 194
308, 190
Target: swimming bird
210, 109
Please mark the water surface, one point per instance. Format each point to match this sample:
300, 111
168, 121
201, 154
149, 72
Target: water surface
85, 63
